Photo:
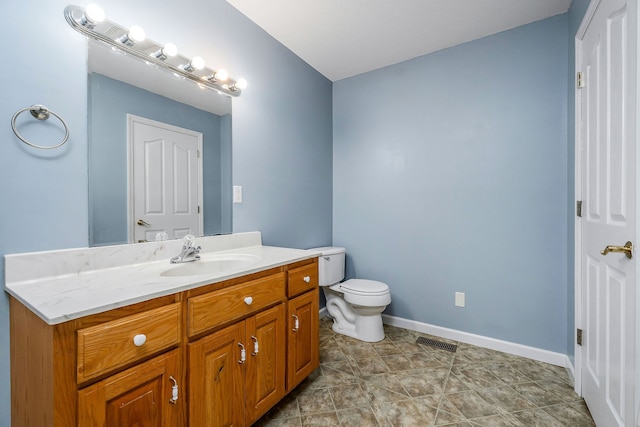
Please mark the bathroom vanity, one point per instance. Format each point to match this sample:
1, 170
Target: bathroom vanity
215, 342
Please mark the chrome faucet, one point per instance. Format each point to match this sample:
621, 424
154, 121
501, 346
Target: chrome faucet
189, 252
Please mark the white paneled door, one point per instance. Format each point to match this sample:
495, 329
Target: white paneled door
166, 180
606, 149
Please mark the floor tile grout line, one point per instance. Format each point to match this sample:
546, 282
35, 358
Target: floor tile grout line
444, 388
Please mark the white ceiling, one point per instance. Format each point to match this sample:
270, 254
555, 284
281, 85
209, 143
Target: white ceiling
343, 38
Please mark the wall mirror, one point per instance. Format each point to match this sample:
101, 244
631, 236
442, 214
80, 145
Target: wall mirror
123, 91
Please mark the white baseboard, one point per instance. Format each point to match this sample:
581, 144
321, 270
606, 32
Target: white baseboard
323, 312
534, 353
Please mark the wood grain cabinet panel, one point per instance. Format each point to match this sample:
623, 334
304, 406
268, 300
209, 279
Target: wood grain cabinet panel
303, 348
238, 373
139, 396
265, 376
216, 384
221, 307
302, 279
105, 347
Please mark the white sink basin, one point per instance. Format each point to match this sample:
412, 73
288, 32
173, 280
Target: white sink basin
211, 264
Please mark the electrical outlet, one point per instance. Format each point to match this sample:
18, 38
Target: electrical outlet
459, 299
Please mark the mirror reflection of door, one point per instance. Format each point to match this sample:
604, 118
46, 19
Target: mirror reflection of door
165, 185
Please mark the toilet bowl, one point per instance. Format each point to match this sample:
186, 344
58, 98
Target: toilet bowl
356, 305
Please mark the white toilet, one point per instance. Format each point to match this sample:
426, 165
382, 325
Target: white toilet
356, 305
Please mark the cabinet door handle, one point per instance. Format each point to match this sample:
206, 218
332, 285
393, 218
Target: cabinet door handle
139, 340
296, 323
255, 346
243, 354
174, 391
307, 279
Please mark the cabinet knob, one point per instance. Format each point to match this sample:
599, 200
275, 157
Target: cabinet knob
307, 279
139, 340
248, 300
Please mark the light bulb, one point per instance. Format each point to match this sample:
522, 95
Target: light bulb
197, 63
170, 49
221, 75
92, 16
136, 33
167, 50
241, 84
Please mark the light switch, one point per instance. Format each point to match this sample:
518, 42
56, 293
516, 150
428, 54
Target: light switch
237, 194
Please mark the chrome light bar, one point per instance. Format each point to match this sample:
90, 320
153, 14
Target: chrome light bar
132, 41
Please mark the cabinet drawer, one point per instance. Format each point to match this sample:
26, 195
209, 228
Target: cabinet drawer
302, 279
219, 307
110, 345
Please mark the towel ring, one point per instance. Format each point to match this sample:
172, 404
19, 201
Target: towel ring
40, 112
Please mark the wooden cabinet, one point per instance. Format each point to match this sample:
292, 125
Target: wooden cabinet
216, 386
303, 346
219, 355
110, 345
237, 374
265, 375
303, 338
139, 396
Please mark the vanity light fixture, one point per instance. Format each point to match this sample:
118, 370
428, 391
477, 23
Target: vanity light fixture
218, 76
92, 16
92, 23
196, 63
239, 85
134, 35
166, 51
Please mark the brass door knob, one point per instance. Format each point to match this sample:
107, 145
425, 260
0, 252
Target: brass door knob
627, 249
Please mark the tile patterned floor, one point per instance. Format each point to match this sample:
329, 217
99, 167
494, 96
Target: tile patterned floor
397, 382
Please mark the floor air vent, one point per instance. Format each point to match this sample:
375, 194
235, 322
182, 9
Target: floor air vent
437, 344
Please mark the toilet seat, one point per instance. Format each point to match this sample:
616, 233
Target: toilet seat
364, 287
364, 293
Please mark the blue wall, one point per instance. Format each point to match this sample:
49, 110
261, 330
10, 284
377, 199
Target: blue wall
282, 144
450, 174
109, 103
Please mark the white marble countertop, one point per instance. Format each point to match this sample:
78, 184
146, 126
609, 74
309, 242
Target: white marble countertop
82, 287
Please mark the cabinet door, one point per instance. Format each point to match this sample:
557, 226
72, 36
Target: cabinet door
265, 361
139, 396
303, 338
216, 378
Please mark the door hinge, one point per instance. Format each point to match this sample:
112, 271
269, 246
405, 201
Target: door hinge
579, 336
198, 209
579, 208
580, 80
198, 151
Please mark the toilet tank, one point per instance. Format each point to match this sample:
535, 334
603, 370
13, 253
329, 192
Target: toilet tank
330, 265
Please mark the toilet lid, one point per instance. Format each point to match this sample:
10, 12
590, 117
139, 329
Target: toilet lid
364, 287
